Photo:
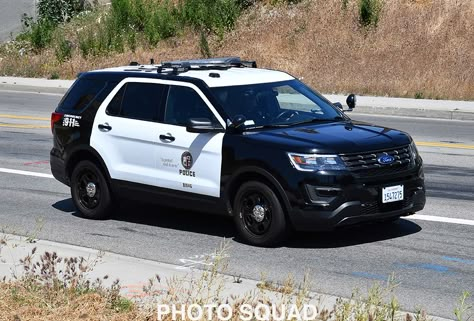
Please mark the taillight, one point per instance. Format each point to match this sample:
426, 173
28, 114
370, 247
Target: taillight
55, 117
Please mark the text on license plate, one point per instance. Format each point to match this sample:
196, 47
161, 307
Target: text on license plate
392, 194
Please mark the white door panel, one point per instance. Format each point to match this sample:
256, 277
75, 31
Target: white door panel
204, 175
133, 151
129, 149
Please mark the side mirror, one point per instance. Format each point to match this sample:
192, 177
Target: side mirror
201, 125
351, 101
338, 105
238, 122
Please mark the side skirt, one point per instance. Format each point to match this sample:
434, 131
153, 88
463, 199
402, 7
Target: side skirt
168, 197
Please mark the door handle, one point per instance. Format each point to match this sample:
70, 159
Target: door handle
168, 138
105, 127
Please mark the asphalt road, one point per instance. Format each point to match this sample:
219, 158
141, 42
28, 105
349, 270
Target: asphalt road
433, 261
10, 16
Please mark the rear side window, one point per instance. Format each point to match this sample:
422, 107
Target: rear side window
81, 94
137, 101
113, 109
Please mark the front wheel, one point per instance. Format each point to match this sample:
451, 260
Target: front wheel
258, 215
90, 191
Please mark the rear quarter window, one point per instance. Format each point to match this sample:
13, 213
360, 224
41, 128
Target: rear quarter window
81, 94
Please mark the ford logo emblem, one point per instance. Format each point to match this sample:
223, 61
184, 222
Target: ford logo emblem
386, 159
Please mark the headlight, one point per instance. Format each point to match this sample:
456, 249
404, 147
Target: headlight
413, 150
315, 162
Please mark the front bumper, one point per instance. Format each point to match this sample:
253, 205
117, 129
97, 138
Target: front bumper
329, 207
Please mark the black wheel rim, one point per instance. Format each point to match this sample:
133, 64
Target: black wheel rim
86, 177
249, 202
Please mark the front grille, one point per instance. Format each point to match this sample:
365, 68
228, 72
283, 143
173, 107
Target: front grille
377, 207
367, 165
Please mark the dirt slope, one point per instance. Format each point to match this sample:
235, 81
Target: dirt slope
420, 48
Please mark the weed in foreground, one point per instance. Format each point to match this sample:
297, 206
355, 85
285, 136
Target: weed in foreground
464, 310
51, 287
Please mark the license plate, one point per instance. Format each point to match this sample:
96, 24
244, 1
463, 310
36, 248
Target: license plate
392, 194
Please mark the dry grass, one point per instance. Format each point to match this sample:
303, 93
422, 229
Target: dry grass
421, 48
20, 304
424, 46
56, 288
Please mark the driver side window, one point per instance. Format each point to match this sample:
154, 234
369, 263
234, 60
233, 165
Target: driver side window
184, 103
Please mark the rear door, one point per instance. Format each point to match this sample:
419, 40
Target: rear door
125, 130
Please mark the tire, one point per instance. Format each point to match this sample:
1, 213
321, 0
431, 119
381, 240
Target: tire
99, 205
258, 215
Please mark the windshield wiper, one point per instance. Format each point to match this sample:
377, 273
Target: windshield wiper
313, 120
269, 126
318, 120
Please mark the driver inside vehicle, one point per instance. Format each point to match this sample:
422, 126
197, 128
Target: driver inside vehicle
257, 107
276, 104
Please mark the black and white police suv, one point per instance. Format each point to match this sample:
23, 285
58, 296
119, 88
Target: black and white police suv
222, 136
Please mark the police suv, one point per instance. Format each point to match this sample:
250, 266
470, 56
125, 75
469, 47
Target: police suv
222, 136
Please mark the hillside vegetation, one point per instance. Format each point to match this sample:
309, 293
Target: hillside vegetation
405, 48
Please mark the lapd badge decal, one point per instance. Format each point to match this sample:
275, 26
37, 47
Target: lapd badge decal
187, 160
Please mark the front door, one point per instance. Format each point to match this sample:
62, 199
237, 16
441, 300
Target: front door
189, 162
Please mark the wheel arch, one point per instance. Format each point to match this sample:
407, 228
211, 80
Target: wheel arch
81, 153
253, 173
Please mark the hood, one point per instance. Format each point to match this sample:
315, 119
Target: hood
336, 137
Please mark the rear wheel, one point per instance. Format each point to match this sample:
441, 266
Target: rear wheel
90, 191
258, 215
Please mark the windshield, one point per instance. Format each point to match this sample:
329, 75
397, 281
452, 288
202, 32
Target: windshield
276, 104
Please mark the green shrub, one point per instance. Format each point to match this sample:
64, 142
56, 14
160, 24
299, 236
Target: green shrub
132, 41
139, 14
59, 11
130, 23
345, 3
40, 34
244, 4
86, 42
63, 50
51, 13
204, 46
369, 12
121, 13
54, 75
214, 16
163, 23
419, 95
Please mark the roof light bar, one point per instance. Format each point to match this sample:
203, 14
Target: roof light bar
181, 66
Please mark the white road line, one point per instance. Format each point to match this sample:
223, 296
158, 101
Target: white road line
420, 217
441, 219
30, 91
15, 171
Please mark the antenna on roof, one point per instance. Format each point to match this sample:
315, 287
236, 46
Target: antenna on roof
152, 61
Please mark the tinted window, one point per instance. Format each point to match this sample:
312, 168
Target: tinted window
81, 94
280, 103
115, 104
141, 101
137, 101
184, 103
90, 112
99, 99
